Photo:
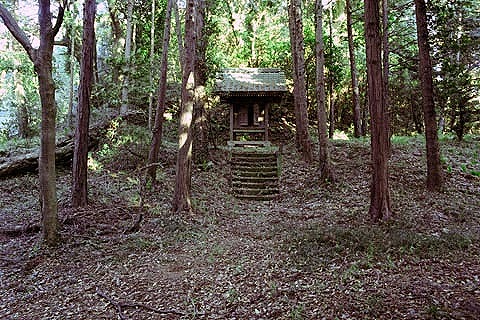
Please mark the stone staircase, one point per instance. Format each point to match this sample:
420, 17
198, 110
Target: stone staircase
255, 172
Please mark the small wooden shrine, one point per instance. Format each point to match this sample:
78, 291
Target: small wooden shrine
249, 92
254, 163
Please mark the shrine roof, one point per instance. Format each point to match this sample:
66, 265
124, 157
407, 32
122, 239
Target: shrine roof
250, 82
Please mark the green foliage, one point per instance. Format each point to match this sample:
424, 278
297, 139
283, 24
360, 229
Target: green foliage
124, 147
455, 59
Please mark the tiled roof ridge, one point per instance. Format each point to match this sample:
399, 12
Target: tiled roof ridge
251, 70
250, 81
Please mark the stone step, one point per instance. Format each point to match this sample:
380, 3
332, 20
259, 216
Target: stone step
258, 192
259, 174
265, 197
239, 168
255, 185
252, 152
254, 159
254, 172
255, 179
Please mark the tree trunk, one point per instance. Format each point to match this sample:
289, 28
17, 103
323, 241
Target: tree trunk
161, 101
357, 126
178, 29
72, 87
181, 198
304, 144
326, 169
80, 155
152, 56
331, 93
434, 167
117, 34
380, 208
46, 163
128, 50
385, 62
42, 61
200, 151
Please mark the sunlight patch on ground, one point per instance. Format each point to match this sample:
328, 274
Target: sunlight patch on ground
93, 164
340, 135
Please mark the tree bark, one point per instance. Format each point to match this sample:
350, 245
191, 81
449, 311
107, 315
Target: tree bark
434, 167
304, 144
42, 61
46, 165
380, 207
357, 126
181, 198
80, 155
326, 169
71, 88
200, 151
331, 93
385, 63
178, 30
128, 50
152, 56
161, 101
117, 37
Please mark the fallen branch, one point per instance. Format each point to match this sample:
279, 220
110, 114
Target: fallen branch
121, 305
20, 230
25, 163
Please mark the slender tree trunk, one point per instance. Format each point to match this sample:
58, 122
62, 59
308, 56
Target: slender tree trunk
72, 77
357, 126
200, 151
128, 50
380, 208
434, 167
304, 144
385, 61
42, 61
331, 93
117, 37
80, 153
181, 198
326, 169
178, 30
152, 56
293, 35
161, 101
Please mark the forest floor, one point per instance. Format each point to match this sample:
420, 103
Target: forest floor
310, 254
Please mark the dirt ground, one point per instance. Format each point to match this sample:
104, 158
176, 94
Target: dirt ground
310, 254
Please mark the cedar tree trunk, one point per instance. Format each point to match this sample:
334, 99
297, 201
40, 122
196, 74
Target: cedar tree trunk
200, 150
326, 170
42, 61
181, 197
357, 126
80, 154
304, 144
379, 189
386, 52
434, 167
162, 92
128, 51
